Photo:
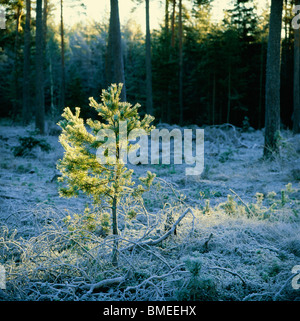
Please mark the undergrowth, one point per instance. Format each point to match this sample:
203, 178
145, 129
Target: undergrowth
28, 143
232, 251
283, 207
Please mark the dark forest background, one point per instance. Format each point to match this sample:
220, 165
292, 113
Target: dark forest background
213, 72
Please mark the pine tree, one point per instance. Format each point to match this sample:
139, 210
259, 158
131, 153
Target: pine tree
39, 63
26, 69
149, 101
81, 170
18, 5
272, 119
62, 55
114, 56
296, 116
180, 36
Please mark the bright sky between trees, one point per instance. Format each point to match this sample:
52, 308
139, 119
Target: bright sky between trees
100, 9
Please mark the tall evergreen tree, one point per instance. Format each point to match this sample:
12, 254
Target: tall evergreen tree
180, 36
296, 114
26, 69
244, 19
15, 72
39, 63
149, 100
114, 56
62, 57
272, 117
173, 23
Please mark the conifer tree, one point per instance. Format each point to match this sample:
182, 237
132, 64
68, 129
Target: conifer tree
296, 115
114, 55
39, 63
107, 182
272, 113
26, 69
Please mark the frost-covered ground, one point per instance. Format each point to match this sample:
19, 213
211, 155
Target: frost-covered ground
237, 247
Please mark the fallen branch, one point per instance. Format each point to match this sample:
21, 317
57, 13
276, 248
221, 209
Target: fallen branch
106, 283
278, 294
228, 271
157, 277
238, 141
171, 231
148, 251
253, 295
163, 237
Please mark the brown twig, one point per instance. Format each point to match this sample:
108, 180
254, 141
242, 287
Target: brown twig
205, 245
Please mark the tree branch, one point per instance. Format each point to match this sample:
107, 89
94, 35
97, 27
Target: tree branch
163, 237
228, 271
106, 283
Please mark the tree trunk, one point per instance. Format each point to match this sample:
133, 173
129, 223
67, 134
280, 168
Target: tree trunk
214, 98
62, 70
26, 112
114, 56
180, 65
149, 100
229, 95
45, 18
167, 18
173, 24
272, 120
115, 232
40, 103
261, 85
296, 115
51, 88
166, 108
170, 112
15, 73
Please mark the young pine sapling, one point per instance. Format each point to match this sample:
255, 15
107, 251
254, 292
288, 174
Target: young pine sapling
105, 182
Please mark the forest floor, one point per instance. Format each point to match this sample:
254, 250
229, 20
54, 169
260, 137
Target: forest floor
238, 236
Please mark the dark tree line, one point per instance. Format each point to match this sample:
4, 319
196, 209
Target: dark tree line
190, 70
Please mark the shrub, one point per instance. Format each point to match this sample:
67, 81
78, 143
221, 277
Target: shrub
197, 286
28, 143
